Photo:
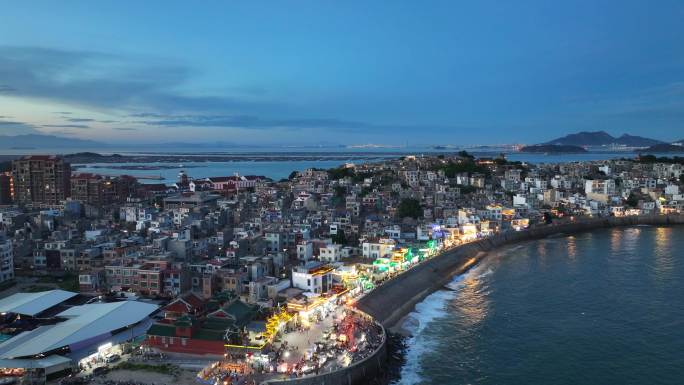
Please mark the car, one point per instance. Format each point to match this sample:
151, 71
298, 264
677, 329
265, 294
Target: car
112, 358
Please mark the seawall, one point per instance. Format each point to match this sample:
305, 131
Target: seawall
396, 298
361, 372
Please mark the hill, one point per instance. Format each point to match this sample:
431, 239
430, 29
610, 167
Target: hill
602, 138
38, 141
553, 148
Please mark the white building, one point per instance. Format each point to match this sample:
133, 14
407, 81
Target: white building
313, 277
600, 186
305, 251
331, 253
379, 249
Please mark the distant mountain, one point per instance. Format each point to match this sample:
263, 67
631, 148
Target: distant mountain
554, 149
37, 141
602, 138
662, 147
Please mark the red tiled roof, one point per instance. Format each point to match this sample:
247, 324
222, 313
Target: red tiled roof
186, 304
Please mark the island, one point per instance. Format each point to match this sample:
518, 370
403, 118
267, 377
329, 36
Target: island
662, 147
553, 149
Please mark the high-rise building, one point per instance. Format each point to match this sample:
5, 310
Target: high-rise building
87, 188
6, 259
41, 179
6, 188
100, 191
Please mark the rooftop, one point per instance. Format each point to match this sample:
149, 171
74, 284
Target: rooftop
83, 323
32, 304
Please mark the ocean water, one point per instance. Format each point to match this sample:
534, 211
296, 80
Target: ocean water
275, 170
280, 168
605, 307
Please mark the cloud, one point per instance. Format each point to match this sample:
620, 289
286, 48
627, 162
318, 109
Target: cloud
247, 121
64, 133
254, 122
102, 80
79, 126
125, 129
6, 89
16, 128
126, 83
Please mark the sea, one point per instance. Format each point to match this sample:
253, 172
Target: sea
602, 307
273, 162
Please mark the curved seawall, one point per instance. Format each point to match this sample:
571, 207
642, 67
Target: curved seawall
357, 373
397, 297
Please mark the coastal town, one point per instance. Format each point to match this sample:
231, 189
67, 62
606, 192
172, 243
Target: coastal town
240, 279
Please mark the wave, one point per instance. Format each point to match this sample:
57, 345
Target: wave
431, 308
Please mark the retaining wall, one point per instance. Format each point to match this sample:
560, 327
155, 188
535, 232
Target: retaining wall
393, 300
390, 302
361, 372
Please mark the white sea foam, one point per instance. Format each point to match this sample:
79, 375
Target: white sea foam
431, 308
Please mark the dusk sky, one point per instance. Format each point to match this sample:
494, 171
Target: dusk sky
349, 72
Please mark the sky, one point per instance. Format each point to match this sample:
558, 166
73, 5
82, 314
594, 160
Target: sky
341, 72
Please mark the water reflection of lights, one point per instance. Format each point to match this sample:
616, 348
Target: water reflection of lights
472, 301
664, 260
615, 239
541, 248
572, 247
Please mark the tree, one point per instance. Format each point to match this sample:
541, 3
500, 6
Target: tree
632, 200
409, 207
340, 172
467, 189
339, 238
292, 175
464, 154
340, 191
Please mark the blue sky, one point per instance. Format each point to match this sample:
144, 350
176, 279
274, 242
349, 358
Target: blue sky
352, 72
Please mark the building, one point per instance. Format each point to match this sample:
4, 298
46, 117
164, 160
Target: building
75, 335
100, 191
379, 249
191, 200
6, 189
330, 253
6, 259
41, 179
313, 277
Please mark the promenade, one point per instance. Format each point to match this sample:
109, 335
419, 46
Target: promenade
397, 297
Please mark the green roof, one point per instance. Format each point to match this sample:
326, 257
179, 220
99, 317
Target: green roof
162, 330
242, 312
215, 323
211, 335
224, 296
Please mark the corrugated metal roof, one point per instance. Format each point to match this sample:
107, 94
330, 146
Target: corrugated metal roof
85, 322
46, 362
34, 303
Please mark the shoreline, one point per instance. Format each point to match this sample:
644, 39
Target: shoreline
391, 303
